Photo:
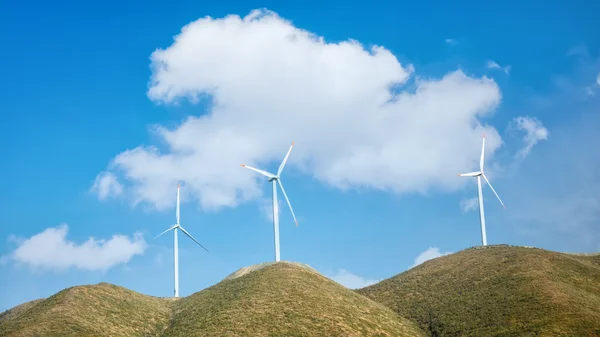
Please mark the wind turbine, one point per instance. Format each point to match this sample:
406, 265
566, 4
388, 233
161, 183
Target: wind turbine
174, 228
275, 179
480, 174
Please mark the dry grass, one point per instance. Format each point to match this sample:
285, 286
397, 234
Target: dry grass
284, 299
492, 291
279, 299
498, 291
97, 310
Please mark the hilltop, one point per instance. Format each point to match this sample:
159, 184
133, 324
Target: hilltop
498, 291
285, 299
480, 291
243, 271
271, 299
91, 310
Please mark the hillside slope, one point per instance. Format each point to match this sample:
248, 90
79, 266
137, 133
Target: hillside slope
270, 299
93, 310
284, 299
498, 291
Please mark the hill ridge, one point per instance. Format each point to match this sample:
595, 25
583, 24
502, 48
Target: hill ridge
492, 290
498, 290
248, 269
289, 299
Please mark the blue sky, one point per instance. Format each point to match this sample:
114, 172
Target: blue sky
97, 129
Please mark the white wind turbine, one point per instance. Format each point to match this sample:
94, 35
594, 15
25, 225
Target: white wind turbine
480, 174
275, 179
175, 227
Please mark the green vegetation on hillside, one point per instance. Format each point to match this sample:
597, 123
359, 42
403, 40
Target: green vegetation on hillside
498, 291
96, 310
482, 291
284, 299
279, 299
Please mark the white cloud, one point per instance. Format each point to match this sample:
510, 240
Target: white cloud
534, 132
272, 83
429, 254
467, 205
450, 41
493, 65
590, 90
50, 249
555, 197
106, 185
349, 280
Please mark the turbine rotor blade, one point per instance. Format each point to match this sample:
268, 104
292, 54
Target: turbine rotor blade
471, 174
177, 211
191, 237
264, 173
482, 154
497, 196
170, 228
288, 201
284, 160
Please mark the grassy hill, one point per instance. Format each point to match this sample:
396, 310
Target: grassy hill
284, 299
498, 291
94, 310
281, 299
481, 291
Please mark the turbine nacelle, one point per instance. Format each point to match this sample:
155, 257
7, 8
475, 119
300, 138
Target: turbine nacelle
175, 243
176, 226
471, 174
275, 179
480, 174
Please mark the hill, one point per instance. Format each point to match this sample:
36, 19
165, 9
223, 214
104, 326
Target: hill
284, 299
271, 299
498, 291
91, 310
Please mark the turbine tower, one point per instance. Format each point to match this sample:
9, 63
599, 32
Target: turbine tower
174, 228
480, 174
275, 179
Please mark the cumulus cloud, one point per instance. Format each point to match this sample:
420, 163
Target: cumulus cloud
356, 118
106, 185
493, 65
429, 254
51, 250
534, 132
349, 280
468, 204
